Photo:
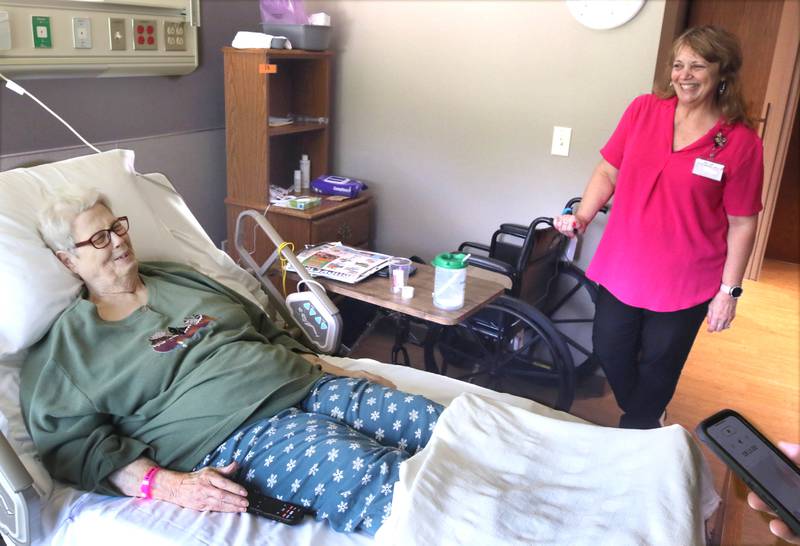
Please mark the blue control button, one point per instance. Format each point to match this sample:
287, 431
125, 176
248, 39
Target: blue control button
323, 325
307, 305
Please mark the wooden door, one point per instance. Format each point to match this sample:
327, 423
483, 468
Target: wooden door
755, 23
784, 237
769, 31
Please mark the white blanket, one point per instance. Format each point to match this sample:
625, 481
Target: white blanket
498, 474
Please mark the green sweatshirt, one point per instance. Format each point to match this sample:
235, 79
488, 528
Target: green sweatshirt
170, 382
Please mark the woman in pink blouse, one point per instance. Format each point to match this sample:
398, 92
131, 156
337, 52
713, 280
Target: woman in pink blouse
685, 168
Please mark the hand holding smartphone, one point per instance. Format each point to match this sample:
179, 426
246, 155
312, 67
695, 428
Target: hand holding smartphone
758, 462
776, 525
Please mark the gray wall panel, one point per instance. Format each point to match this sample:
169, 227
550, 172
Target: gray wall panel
175, 124
107, 109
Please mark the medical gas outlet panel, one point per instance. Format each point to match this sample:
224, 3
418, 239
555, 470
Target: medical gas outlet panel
83, 38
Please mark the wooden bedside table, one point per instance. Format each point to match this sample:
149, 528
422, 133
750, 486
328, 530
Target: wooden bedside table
348, 221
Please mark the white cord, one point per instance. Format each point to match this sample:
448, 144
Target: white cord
255, 227
15, 87
311, 281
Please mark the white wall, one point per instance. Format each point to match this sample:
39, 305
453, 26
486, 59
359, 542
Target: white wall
447, 109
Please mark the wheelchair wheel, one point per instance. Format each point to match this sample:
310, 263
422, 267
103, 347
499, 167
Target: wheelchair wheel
570, 307
506, 338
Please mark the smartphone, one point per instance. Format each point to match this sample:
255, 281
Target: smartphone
754, 459
278, 510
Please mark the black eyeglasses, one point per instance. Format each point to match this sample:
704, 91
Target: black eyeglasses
102, 238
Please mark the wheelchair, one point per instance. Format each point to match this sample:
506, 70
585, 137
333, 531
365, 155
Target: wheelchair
540, 329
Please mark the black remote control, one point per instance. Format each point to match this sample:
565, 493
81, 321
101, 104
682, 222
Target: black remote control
278, 510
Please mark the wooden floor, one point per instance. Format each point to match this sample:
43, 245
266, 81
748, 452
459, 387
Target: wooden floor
752, 368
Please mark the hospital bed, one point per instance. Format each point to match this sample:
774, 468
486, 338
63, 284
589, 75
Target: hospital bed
553, 477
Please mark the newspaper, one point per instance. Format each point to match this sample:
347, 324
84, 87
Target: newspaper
342, 263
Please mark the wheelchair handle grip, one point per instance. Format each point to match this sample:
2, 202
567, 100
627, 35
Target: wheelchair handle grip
569, 208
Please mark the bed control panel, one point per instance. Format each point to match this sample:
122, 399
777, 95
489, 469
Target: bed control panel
320, 325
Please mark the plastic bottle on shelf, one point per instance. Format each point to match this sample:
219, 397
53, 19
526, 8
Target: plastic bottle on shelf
298, 181
305, 171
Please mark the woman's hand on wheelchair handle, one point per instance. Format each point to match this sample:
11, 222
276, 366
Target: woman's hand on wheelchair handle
569, 225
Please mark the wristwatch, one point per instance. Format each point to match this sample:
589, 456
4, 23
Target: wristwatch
733, 291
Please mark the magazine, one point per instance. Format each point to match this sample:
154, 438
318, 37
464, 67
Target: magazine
341, 263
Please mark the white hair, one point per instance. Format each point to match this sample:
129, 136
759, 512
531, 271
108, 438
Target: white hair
60, 209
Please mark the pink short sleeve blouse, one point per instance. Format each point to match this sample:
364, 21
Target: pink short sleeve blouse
666, 240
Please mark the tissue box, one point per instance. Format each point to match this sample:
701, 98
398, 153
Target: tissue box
313, 37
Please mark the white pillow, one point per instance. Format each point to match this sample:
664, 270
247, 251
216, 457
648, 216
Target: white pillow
35, 287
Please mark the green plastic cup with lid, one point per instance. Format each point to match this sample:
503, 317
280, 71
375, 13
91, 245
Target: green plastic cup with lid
450, 280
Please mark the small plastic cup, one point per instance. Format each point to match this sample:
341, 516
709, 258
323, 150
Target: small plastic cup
399, 269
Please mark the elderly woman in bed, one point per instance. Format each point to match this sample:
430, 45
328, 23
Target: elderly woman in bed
159, 382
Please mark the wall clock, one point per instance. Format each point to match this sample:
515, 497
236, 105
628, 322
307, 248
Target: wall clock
604, 14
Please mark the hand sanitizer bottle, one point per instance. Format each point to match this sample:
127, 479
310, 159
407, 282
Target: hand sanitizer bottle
305, 171
298, 182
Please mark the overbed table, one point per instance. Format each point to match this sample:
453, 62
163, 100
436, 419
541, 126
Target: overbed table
376, 291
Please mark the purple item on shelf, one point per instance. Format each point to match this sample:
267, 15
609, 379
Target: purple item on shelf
337, 185
286, 12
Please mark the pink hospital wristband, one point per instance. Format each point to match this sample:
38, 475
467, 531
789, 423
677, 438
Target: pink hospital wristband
147, 482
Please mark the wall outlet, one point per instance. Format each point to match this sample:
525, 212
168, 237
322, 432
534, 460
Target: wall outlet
144, 34
116, 34
561, 138
174, 36
82, 32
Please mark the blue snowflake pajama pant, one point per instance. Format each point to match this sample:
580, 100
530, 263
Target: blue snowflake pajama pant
338, 452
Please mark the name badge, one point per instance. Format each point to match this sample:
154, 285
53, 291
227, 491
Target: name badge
708, 169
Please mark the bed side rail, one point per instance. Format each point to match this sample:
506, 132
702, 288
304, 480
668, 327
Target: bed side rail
329, 341
19, 502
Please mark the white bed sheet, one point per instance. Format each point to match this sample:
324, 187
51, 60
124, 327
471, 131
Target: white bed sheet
73, 518
556, 483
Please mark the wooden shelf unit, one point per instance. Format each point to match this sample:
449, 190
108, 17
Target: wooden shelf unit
260, 83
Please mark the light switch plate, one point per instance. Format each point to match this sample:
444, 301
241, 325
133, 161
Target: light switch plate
561, 138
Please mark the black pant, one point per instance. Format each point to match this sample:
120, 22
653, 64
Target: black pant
642, 353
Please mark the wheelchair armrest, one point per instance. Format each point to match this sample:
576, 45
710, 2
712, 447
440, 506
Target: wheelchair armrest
514, 229
470, 244
491, 264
